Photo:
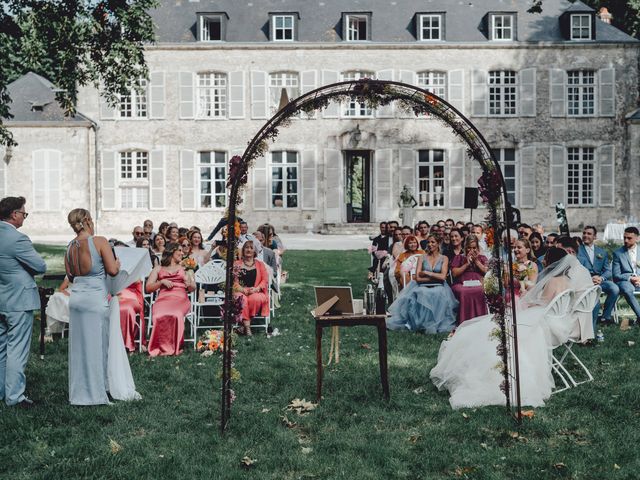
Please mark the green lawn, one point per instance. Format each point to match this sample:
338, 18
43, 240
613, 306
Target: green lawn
591, 432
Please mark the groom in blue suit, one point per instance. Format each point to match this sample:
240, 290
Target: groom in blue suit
626, 269
19, 262
596, 260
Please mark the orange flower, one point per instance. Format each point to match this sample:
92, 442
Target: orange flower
488, 236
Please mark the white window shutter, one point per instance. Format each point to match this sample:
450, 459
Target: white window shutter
527, 177
3, 174
188, 180
528, 92
309, 180
54, 175
607, 97
557, 95
387, 110
157, 95
456, 177
455, 93
259, 95
107, 112
110, 172
187, 95
408, 77
156, 180
260, 184
408, 170
479, 92
333, 207
333, 110
606, 171
236, 95
383, 161
558, 176
239, 151
40, 158
309, 82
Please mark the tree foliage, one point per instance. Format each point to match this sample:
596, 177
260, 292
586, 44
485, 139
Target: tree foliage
73, 43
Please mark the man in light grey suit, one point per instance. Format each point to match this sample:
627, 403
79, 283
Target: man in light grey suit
626, 269
19, 262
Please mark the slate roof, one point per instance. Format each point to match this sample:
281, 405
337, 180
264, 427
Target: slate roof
392, 21
33, 100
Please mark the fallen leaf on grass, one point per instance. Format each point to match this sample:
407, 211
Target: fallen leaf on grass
265, 410
418, 390
514, 434
414, 438
301, 407
287, 422
616, 466
307, 450
114, 446
463, 471
485, 446
630, 343
247, 462
366, 346
527, 414
559, 466
464, 415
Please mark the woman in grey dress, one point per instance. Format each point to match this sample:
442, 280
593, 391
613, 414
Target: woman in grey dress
86, 261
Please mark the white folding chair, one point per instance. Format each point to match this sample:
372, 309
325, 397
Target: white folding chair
408, 269
266, 320
212, 273
584, 304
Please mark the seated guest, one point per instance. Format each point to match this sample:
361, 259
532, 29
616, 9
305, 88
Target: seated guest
626, 269
422, 230
524, 266
58, 309
403, 272
186, 246
254, 284
172, 304
198, 253
537, 245
524, 231
455, 245
265, 254
132, 304
137, 233
158, 246
147, 226
596, 260
427, 303
162, 229
398, 246
470, 266
244, 230
172, 234
146, 243
381, 244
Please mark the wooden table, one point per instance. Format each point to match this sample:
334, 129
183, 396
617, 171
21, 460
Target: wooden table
377, 321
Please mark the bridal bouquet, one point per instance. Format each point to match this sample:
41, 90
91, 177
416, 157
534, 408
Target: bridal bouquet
521, 273
190, 265
211, 342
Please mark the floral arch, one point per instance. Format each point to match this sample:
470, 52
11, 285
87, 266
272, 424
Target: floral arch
374, 94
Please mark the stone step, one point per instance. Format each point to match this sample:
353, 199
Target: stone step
350, 229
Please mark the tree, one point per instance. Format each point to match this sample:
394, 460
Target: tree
73, 43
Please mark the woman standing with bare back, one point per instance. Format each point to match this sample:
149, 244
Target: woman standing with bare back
86, 261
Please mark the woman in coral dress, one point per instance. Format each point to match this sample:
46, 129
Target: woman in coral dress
466, 268
172, 304
254, 286
131, 304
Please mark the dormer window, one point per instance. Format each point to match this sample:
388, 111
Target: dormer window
283, 27
502, 26
581, 27
430, 26
211, 27
357, 26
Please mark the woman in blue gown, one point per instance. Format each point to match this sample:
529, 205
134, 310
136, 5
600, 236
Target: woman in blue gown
427, 304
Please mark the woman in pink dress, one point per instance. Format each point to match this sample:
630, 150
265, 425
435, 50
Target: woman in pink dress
131, 304
468, 267
254, 286
172, 304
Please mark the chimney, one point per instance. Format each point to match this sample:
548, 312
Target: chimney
605, 16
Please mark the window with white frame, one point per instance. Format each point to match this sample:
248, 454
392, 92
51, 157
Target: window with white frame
580, 27
431, 178
507, 160
357, 27
46, 180
353, 108
212, 169
134, 179
211, 95
279, 80
284, 179
434, 82
283, 28
580, 175
503, 96
134, 104
430, 26
581, 93
502, 26
211, 27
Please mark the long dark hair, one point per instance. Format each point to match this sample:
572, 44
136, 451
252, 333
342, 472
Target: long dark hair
169, 250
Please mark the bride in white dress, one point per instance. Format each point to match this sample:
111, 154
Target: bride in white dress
467, 361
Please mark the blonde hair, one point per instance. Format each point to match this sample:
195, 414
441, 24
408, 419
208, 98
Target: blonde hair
76, 219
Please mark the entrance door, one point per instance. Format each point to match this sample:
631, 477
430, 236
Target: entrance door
358, 185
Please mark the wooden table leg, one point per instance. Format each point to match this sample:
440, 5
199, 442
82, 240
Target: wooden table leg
318, 363
382, 353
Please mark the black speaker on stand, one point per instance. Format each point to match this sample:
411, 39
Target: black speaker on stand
471, 200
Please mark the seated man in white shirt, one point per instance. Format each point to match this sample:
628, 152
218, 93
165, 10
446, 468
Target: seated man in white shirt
137, 233
626, 269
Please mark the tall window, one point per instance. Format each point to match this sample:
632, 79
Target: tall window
503, 98
508, 165
357, 27
431, 183
434, 82
354, 108
283, 28
210, 28
212, 167
134, 104
212, 95
581, 27
580, 175
581, 92
284, 179
502, 27
134, 179
430, 26
279, 80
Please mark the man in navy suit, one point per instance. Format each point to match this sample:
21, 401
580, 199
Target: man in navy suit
596, 260
19, 262
626, 269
